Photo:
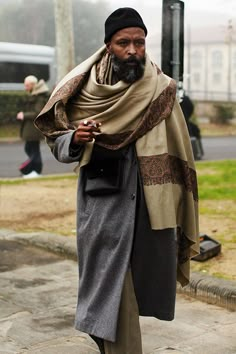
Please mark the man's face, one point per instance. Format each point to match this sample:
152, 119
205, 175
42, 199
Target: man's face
127, 48
28, 86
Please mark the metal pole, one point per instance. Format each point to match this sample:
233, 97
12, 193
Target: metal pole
230, 37
176, 39
173, 41
189, 60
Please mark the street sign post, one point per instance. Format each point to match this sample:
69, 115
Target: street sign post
172, 45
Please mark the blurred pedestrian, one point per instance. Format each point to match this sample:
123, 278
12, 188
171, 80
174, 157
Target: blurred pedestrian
117, 115
38, 96
187, 107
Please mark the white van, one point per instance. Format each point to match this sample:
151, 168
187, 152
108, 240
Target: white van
20, 60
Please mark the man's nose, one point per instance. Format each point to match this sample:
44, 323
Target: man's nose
132, 49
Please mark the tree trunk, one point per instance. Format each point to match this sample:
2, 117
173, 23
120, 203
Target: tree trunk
64, 37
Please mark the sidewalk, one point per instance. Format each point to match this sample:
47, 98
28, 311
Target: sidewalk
38, 294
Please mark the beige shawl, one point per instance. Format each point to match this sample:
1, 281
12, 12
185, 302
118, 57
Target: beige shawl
148, 114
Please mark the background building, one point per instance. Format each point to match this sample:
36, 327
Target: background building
210, 64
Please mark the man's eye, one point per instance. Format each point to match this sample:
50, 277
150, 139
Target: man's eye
123, 43
139, 43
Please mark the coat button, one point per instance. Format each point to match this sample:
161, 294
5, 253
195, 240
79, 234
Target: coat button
133, 196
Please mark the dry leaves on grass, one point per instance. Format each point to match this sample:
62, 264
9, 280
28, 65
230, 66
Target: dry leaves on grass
50, 205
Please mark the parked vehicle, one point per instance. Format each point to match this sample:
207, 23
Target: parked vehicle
19, 60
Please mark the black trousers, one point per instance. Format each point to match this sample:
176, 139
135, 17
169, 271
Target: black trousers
34, 162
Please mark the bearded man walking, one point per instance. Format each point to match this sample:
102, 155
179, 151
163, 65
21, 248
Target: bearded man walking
137, 219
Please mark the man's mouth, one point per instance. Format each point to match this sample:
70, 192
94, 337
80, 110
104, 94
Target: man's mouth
132, 63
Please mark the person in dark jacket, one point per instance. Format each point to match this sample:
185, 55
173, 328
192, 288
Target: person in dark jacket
38, 96
116, 114
187, 107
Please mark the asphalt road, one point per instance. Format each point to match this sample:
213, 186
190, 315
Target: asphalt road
12, 155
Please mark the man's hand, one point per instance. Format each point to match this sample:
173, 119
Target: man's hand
86, 131
20, 116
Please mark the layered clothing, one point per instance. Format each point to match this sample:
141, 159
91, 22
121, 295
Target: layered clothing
28, 132
34, 104
145, 121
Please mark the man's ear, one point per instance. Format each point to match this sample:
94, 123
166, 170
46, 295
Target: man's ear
108, 46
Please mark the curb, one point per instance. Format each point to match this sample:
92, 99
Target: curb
215, 291
10, 140
212, 290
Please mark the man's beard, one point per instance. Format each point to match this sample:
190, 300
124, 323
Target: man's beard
127, 72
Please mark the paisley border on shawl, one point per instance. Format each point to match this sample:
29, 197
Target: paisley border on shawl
67, 90
165, 168
60, 121
158, 110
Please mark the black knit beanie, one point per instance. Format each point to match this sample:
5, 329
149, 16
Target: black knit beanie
122, 18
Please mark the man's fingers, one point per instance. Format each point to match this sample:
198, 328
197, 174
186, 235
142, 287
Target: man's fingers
90, 125
83, 136
86, 131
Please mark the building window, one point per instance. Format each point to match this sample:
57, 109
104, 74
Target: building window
196, 59
217, 59
216, 78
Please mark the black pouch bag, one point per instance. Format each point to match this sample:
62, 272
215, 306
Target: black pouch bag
104, 173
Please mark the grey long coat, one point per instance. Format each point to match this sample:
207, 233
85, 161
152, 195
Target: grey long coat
113, 233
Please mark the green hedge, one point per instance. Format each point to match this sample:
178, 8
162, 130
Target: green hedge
223, 113
11, 102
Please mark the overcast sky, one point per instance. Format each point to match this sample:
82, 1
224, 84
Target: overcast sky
203, 18
198, 13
